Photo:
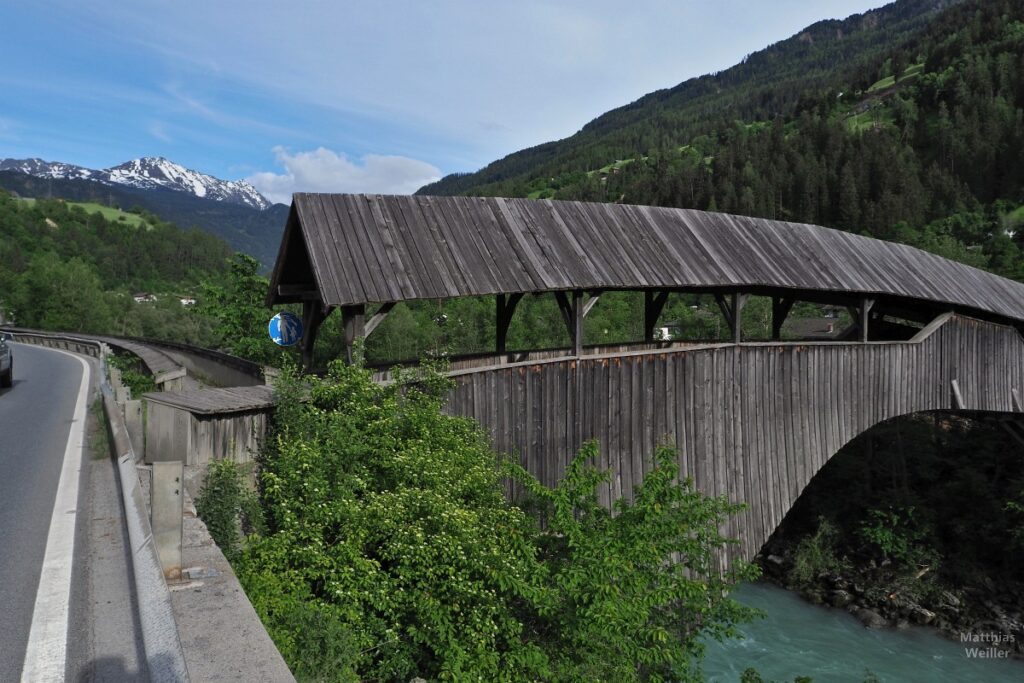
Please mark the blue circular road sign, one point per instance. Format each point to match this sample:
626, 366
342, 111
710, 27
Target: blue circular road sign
285, 329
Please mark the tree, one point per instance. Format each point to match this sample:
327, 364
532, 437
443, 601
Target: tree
61, 295
240, 316
392, 552
630, 595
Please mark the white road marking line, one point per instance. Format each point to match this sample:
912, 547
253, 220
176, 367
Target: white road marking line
46, 653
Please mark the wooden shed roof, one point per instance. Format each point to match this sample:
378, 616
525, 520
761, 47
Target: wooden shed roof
359, 249
216, 401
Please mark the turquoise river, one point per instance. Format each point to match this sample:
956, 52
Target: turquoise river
831, 646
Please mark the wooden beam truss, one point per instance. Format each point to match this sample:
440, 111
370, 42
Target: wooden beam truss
654, 303
732, 310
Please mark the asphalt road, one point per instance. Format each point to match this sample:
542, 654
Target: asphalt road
35, 421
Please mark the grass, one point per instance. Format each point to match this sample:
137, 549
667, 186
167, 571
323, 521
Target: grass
111, 214
867, 120
911, 72
99, 442
1016, 217
108, 212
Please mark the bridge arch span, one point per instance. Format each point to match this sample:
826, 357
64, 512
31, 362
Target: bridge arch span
754, 421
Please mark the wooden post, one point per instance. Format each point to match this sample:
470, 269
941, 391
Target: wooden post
738, 301
865, 310
654, 302
781, 307
577, 322
506, 308
732, 311
353, 322
312, 317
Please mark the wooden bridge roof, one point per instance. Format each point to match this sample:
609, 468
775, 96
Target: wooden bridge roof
359, 249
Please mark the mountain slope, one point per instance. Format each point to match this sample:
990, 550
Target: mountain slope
769, 83
919, 141
147, 173
255, 232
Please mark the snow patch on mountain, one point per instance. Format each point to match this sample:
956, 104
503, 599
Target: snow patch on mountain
147, 173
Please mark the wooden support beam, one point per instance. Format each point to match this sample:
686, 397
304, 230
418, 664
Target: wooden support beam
577, 322
958, 399
378, 318
654, 303
1017, 404
565, 308
781, 306
572, 314
312, 317
738, 302
353, 324
732, 309
724, 307
506, 308
591, 302
300, 291
865, 310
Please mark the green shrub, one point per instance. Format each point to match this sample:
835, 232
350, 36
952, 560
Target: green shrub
228, 507
137, 382
392, 552
816, 554
895, 534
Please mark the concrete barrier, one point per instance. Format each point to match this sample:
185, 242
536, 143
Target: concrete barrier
156, 617
224, 637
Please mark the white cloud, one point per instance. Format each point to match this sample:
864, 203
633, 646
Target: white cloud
324, 170
158, 130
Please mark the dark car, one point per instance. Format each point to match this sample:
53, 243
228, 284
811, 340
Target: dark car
6, 363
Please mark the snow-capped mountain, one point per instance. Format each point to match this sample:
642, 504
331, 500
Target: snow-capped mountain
147, 173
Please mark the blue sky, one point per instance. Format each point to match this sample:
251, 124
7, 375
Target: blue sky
345, 96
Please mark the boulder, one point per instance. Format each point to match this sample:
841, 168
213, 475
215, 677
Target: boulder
839, 598
949, 599
870, 618
920, 615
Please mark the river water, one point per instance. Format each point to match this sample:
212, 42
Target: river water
830, 645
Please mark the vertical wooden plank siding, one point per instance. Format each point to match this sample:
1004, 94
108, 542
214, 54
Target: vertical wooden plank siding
754, 422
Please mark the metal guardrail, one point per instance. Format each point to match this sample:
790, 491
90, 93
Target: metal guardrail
160, 640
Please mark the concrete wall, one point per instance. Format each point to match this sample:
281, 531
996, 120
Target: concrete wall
212, 367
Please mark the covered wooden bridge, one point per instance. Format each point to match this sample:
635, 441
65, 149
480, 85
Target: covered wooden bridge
753, 420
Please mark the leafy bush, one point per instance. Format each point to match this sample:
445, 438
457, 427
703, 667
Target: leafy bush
751, 675
816, 554
392, 552
137, 382
894, 533
228, 507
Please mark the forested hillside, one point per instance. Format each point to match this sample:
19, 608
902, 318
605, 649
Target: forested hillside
906, 123
246, 229
64, 268
776, 81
